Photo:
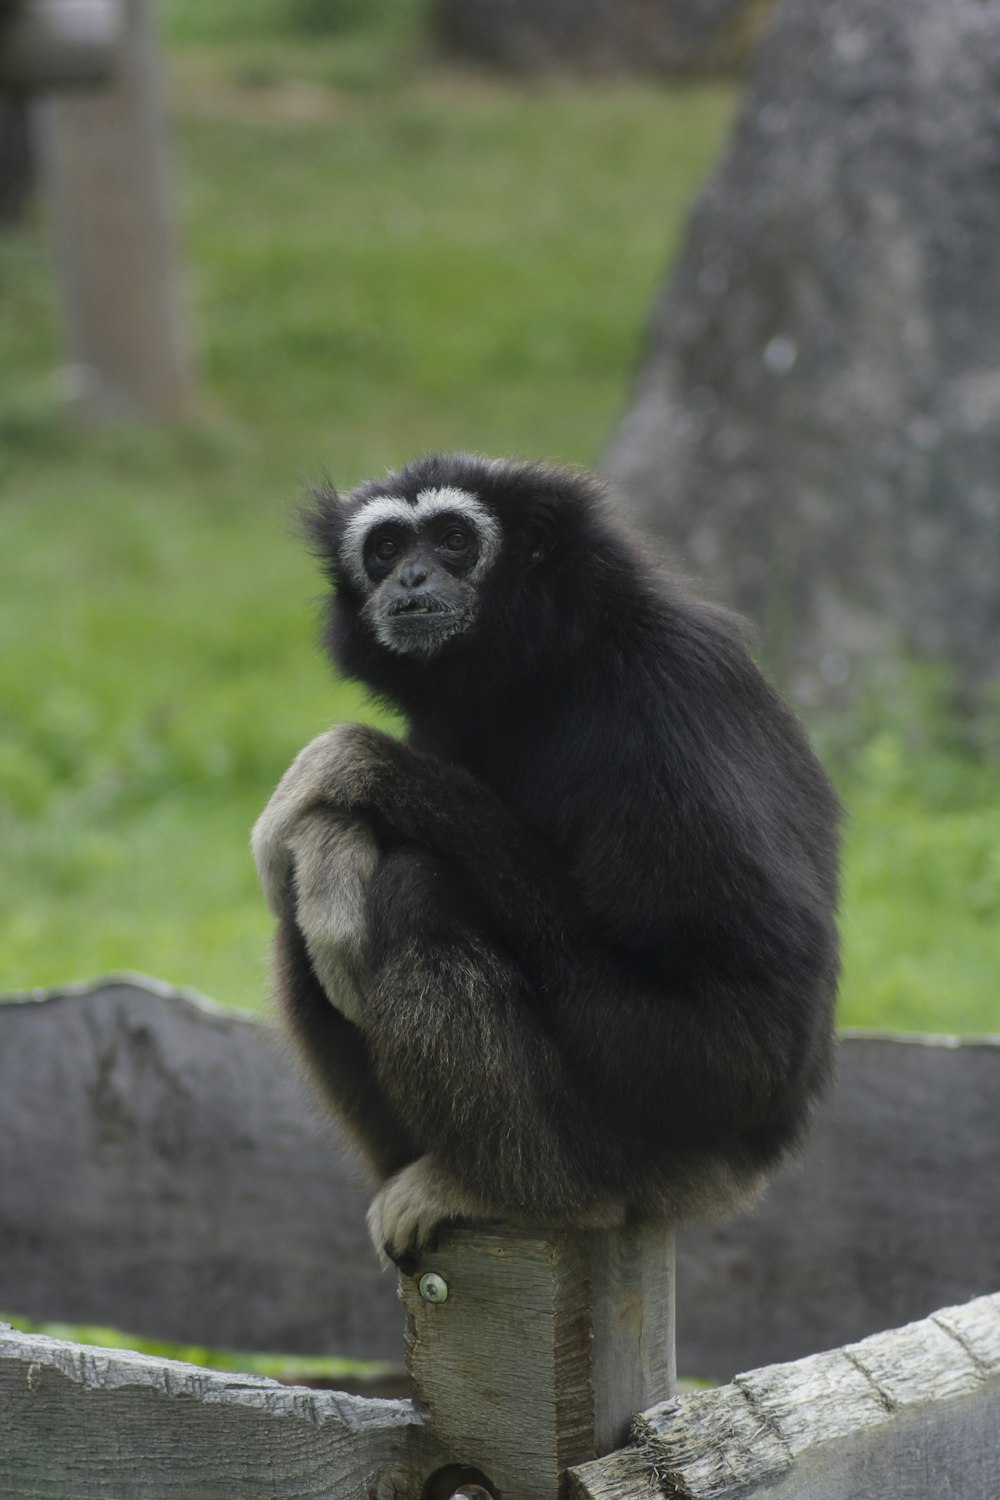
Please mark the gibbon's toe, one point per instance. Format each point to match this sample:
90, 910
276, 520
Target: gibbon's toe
405, 1217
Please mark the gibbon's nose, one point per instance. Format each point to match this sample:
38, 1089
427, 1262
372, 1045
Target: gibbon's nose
413, 574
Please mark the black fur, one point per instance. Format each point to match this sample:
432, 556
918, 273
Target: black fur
603, 953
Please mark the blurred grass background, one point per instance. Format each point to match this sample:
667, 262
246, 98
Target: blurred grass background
383, 255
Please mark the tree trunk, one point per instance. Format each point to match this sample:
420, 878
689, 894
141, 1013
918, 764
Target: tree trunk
16, 164
815, 428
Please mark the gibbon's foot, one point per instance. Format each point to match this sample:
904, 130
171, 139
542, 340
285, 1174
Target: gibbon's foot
405, 1216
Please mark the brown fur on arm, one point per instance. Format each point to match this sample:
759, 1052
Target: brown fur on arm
336, 1057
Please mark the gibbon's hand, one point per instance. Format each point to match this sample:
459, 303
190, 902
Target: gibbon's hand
319, 862
333, 772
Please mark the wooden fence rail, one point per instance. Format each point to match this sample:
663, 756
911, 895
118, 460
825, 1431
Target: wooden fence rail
93, 1424
159, 1170
162, 1171
912, 1414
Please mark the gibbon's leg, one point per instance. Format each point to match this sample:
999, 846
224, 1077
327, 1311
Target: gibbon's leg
408, 796
716, 1065
315, 866
720, 1061
522, 995
319, 862
336, 1056
466, 1063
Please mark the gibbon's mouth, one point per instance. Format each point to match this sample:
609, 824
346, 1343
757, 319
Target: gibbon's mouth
420, 624
419, 604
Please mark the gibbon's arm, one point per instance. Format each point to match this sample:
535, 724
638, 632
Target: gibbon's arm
408, 796
717, 1049
354, 793
336, 1056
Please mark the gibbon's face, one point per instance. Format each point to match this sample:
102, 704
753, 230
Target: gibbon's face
420, 563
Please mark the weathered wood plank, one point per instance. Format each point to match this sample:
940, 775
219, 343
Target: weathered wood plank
633, 1322
543, 1349
186, 1188
911, 1414
96, 1424
891, 1212
161, 1171
625, 1475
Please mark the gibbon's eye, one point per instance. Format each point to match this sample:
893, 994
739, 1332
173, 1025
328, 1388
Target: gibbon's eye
455, 539
385, 549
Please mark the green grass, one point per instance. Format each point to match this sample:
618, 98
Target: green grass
293, 1370
922, 890
381, 258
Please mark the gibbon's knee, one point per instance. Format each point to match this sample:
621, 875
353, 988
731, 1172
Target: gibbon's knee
419, 897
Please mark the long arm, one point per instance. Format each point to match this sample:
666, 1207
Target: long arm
406, 796
337, 1056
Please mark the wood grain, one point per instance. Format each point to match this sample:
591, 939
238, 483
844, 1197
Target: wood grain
162, 1170
633, 1322
891, 1212
910, 1414
546, 1347
92, 1424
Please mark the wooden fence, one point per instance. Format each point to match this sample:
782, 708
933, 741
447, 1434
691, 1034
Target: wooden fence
162, 1172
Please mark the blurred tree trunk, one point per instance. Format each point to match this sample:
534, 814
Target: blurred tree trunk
602, 36
16, 161
815, 427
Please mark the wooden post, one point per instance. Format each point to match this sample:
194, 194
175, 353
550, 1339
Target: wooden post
529, 1351
104, 158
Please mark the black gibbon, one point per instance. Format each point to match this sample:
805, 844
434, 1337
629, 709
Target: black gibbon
566, 956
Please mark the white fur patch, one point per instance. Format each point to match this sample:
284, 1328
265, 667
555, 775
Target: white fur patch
335, 858
303, 844
395, 510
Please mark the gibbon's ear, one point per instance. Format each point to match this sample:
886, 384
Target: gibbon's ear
537, 535
321, 521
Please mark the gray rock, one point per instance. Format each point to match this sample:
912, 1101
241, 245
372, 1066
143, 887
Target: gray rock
815, 427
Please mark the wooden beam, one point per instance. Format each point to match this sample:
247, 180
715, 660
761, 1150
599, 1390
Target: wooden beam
99, 1424
104, 162
162, 1171
891, 1211
905, 1415
185, 1187
530, 1351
